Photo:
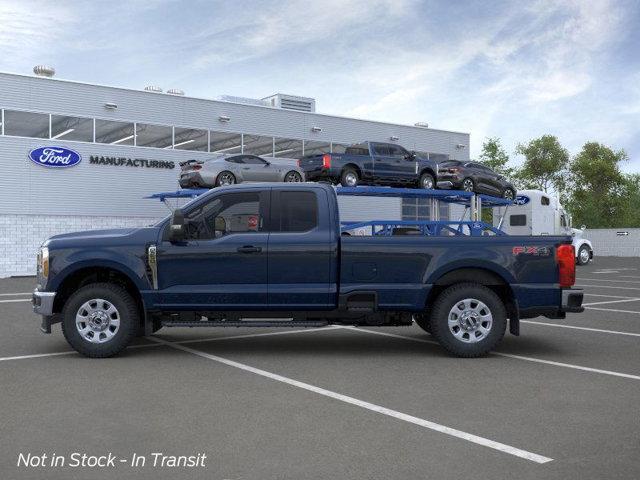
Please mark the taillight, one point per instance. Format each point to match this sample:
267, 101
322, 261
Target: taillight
326, 161
566, 259
298, 162
197, 167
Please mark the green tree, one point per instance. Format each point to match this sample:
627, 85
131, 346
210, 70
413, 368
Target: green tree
545, 164
495, 157
600, 193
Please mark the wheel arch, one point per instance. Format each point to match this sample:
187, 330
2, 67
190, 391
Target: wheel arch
354, 167
82, 275
489, 277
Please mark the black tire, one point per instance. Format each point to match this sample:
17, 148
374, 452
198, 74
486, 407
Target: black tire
455, 295
289, 177
581, 251
221, 176
423, 320
468, 185
508, 194
345, 177
127, 311
427, 178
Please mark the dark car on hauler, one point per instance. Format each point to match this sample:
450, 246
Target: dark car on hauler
474, 177
372, 163
245, 255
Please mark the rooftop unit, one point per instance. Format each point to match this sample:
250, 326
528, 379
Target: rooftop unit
244, 100
291, 102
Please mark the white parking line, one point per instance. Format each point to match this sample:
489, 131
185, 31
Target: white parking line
14, 294
485, 442
609, 286
195, 340
14, 300
612, 310
509, 355
631, 299
607, 280
607, 296
599, 330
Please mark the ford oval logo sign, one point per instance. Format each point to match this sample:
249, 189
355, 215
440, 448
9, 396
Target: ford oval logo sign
56, 157
521, 200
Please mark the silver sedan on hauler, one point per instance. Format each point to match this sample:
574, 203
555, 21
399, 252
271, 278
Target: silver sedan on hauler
239, 168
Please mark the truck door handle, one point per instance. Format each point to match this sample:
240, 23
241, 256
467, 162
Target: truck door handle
249, 249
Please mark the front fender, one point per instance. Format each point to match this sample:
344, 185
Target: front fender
133, 267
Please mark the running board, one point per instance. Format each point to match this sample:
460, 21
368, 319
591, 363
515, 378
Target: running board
248, 323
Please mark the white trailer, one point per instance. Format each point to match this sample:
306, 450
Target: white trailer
537, 213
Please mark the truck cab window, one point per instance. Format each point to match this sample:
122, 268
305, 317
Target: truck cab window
225, 215
381, 150
517, 220
298, 211
544, 200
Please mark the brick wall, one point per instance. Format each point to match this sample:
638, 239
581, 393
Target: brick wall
22, 235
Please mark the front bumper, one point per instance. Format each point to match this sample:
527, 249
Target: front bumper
43, 302
43, 305
572, 300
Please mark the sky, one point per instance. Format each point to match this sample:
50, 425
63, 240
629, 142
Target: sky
513, 70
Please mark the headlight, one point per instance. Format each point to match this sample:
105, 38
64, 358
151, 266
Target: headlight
43, 262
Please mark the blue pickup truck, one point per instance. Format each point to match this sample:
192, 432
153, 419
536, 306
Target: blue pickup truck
273, 255
372, 163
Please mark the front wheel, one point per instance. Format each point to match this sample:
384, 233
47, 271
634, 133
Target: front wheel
468, 319
293, 176
584, 255
100, 320
427, 182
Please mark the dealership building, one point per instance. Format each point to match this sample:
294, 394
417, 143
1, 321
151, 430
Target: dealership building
129, 144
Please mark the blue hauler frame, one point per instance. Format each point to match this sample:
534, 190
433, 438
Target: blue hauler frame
473, 227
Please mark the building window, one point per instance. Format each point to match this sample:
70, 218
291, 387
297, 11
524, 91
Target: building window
26, 124
258, 145
114, 133
191, 139
157, 136
226, 143
287, 148
312, 147
72, 128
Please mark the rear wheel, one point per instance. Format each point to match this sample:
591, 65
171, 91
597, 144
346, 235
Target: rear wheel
100, 320
349, 178
293, 176
427, 181
225, 178
468, 185
584, 255
468, 319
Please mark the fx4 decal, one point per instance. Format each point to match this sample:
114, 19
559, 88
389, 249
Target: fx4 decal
527, 250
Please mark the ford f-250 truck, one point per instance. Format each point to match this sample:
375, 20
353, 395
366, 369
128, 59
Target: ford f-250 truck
247, 255
372, 163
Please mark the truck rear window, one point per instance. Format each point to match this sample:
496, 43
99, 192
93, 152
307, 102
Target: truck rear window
298, 211
356, 151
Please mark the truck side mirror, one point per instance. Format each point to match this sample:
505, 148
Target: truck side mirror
176, 228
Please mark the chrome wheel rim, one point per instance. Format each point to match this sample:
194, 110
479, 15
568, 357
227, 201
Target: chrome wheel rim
508, 194
351, 179
467, 185
97, 320
427, 183
470, 320
584, 255
293, 177
226, 179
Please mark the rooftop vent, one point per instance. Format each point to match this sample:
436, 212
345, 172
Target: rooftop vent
175, 91
292, 102
153, 88
44, 71
422, 124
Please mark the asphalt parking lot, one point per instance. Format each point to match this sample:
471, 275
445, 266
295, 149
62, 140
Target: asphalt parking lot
560, 401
